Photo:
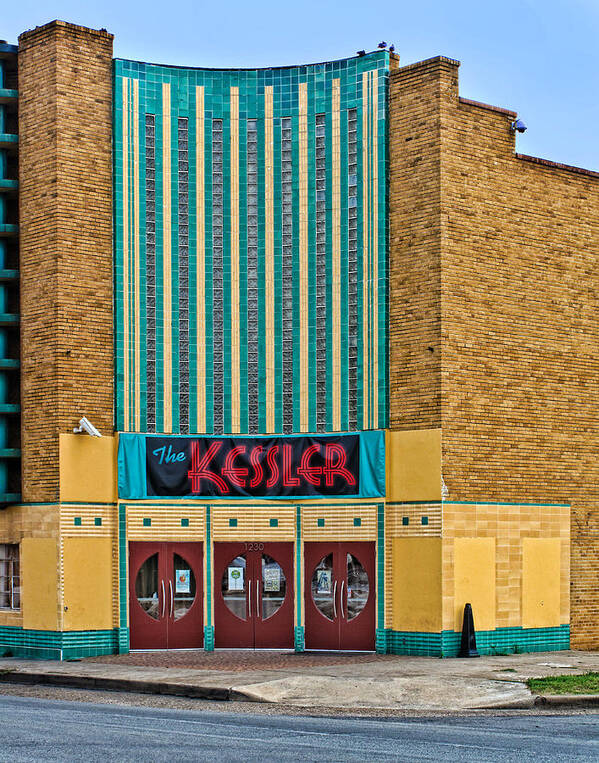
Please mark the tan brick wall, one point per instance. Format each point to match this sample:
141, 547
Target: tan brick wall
65, 170
415, 248
514, 248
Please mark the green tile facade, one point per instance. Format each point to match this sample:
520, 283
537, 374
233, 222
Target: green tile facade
141, 212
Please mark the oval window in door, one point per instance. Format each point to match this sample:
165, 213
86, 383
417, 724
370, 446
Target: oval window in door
146, 587
185, 587
274, 586
323, 587
358, 587
233, 587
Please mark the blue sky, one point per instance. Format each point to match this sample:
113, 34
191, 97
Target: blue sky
538, 57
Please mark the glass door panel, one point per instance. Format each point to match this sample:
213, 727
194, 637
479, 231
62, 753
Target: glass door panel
324, 588
184, 593
274, 586
358, 587
234, 587
146, 587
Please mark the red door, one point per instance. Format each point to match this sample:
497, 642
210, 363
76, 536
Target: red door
165, 595
253, 595
340, 593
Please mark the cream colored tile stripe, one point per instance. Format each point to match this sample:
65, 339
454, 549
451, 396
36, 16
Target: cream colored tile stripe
303, 253
269, 265
235, 326
136, 259
374, 260
126, 392
201, 263
365, 250
336, 264
166, 257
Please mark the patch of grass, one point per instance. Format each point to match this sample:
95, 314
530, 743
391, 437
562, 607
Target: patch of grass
587, 683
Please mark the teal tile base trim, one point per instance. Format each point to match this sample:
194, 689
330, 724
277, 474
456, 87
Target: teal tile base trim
499, 641
123, 640
511, 640
380, 643
299, 642
56, 645
209, 638
414, 643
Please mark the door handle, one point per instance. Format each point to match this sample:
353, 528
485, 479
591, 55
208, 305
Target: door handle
250, 598
257, 599
341, 597
163, 598
335, 601
170, 585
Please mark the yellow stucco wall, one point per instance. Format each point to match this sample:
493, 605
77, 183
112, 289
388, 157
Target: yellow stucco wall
413, 465
39, 583
474, 581
88, 591
540, 582
88, 468
416, 581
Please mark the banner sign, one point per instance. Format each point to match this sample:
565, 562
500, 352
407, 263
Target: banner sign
305, 466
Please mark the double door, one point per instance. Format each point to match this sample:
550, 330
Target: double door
340, 595
253, 595
165, 595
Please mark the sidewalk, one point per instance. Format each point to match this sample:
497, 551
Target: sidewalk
317, 679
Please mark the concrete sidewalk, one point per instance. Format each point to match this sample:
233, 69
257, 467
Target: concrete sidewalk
317, 680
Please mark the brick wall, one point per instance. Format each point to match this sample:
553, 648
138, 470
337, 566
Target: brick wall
65, 171
516, 243
415, 248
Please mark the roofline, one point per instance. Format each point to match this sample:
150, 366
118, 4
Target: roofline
250, 68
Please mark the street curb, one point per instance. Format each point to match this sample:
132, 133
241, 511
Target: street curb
122, 684
567, 700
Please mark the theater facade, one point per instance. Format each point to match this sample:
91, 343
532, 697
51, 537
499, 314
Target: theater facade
337, 337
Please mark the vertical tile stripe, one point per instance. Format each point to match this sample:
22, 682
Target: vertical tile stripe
150, 230
365, 249
253, 331
217, 315
126, 252
374, 259
184, 315
167, 257
136, 259
303, 253
235, 381
269, 264
336, 251
201, 263
288, 306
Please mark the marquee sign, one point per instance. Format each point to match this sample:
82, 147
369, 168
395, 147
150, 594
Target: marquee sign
304, 466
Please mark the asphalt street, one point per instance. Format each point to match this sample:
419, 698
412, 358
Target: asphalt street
46, 730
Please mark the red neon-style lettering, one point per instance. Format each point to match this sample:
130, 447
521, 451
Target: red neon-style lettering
271, 454
330, 468
288, 480
312, 474
255, 462
236, 474
199, 470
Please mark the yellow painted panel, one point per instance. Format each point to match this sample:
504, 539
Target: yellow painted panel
88, 468
416, 581
39, 583
474, 581
541, 582
87, 583
414, 465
